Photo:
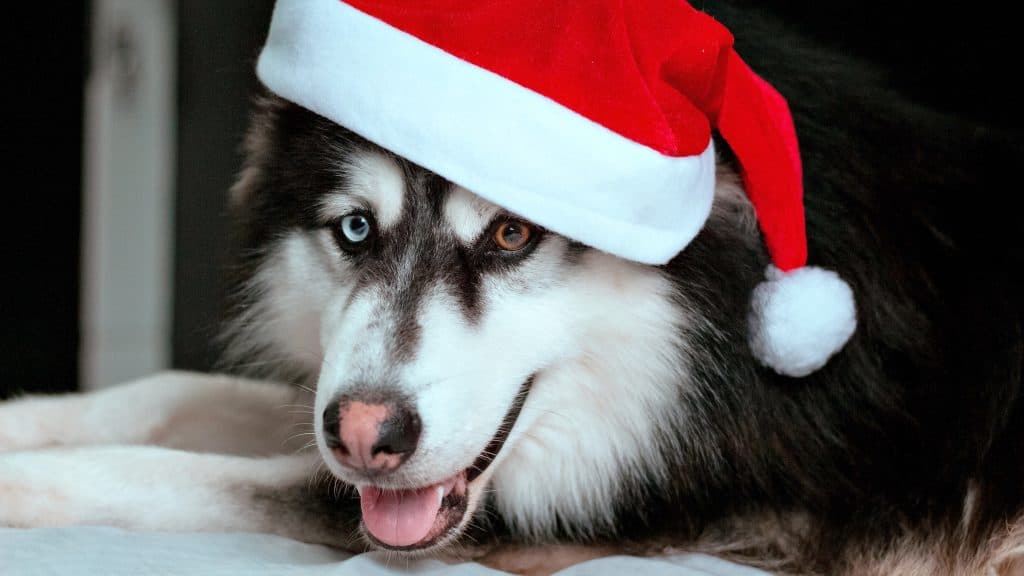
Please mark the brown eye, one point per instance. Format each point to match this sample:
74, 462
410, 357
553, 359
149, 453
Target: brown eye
512, 235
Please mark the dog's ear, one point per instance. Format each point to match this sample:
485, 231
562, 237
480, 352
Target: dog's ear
266, 108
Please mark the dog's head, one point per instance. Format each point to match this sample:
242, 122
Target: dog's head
461, 354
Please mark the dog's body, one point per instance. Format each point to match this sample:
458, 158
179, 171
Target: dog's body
562, 395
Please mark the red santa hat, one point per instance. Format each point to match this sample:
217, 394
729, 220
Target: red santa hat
593, 119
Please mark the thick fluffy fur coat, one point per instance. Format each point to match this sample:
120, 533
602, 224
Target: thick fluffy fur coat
905, 454
914, 431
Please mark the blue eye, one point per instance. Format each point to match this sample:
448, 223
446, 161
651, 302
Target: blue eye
355, 228
353, 232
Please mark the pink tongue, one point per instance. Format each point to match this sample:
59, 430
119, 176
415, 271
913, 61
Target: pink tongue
399, 518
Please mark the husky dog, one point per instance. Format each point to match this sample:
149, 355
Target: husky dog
468, 382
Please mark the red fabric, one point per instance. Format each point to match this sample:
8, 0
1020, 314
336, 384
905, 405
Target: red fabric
604, 60
756, 122
655, 71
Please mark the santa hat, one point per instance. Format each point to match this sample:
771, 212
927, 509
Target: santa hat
593, 119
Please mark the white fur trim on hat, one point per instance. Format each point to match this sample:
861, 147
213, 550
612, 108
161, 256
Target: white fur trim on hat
799, 319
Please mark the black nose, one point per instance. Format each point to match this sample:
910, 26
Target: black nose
371, 434
398, 434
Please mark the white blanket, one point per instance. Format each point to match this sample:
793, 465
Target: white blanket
113, 552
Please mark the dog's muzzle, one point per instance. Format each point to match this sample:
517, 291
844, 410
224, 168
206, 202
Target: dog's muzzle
374, 438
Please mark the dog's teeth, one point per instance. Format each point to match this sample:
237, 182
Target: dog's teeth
440, 494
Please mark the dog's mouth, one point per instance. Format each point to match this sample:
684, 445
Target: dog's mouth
416, 518
419, 518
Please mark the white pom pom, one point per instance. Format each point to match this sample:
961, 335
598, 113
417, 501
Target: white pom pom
799, 319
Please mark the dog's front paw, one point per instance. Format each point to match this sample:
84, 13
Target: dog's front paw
28, 499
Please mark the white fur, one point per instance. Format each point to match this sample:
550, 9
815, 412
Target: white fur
79, 458
373, 179
602, 340
290, 292
141, 487
463, 378
182, 410
590, 422
468, 214
800, 319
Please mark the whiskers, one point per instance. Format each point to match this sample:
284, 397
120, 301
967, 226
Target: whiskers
310, 442
321, 479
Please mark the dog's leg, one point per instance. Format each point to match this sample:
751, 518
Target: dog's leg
155, 488
184, 410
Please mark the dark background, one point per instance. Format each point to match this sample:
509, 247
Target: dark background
959, 61
218, 42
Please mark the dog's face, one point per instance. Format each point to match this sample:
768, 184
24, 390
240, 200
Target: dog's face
461, 352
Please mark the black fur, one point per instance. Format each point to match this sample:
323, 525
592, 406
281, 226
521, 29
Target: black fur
924, 401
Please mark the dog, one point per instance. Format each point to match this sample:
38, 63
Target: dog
466, 382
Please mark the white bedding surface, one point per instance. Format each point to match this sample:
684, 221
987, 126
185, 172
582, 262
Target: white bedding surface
113, 552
